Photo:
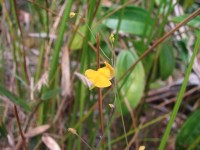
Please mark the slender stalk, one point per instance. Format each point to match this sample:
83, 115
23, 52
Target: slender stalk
99, 89
180, 96
19, 126
122, 117
84, 141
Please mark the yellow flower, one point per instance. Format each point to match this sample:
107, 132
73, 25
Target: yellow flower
101, 78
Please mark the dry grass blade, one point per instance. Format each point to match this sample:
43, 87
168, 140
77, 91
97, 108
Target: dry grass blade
36, 131
32, 133
65, 66
50, 142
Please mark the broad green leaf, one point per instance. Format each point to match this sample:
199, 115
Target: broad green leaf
133, 87
166, 61
133, 20
16, 100
189, 134
195, 22
50, 94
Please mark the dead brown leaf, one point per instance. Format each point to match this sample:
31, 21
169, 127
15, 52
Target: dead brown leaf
65, 81
50, 142
36, 131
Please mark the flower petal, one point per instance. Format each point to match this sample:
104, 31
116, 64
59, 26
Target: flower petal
112, 70
97, 78
105, 72
102, 82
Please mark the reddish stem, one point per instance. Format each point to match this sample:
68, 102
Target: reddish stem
99, 90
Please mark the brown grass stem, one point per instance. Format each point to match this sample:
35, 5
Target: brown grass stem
19, 126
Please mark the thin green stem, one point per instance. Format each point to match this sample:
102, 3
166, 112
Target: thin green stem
180, 96
122, 117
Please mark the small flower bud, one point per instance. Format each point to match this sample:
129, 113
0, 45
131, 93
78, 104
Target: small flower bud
111, 106
72, 130
112, 38
141, 147
72, 14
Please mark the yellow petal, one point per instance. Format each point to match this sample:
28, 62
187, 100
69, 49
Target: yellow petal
97, 78
112, 71
105, 72
91, 75
102, 81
